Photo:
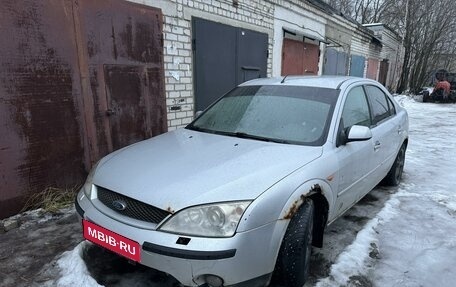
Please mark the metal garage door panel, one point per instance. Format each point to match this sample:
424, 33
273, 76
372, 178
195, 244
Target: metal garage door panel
342, 63
156, 88
225, 56
53, 104
215, 61
122, 31
330, 64
372, 68
311, 57
383, 73
40, 120
292, 55
299, 58
336, 63
252, 55
357, 66
117, 35
126, 104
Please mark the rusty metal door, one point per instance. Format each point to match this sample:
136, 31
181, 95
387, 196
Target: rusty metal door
124, 49
372, 68
59, 65
383, 73
126, 104
40, 139
292, 57
299, 58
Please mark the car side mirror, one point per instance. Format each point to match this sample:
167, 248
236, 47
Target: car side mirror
358, 133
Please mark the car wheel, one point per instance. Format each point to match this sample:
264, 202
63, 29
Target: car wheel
292, 265
394, 176
425, 97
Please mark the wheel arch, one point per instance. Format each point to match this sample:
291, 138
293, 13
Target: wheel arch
320, 193
405, 142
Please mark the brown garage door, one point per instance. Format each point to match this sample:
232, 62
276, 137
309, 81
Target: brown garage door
383, 73
372, 68
299, 58
63, 66
124, 44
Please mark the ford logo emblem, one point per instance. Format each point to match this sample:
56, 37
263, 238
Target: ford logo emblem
119, 204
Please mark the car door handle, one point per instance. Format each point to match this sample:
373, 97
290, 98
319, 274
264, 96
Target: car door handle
399, 130
110, 112
377, 145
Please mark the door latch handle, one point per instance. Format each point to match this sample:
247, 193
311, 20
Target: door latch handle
110, 112
377, 145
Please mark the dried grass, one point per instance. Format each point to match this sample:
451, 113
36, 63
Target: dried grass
52, 199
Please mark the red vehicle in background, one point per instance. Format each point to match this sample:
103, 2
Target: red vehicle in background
444, 90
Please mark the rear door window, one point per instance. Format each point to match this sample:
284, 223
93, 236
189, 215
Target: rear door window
380, 107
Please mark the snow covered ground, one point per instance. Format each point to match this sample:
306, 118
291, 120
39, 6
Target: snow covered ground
402, 236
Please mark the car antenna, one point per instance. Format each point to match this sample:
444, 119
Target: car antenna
283, 80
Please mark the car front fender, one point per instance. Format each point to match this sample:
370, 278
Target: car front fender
281, 202
303, 192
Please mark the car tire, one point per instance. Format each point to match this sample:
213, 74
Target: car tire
393, 178
292, 267
425, 97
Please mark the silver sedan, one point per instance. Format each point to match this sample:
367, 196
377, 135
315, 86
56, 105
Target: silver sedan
239, 196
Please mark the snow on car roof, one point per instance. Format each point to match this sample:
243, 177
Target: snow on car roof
332, 82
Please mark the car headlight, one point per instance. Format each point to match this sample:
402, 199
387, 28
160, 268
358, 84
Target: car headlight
88, 185
213, 220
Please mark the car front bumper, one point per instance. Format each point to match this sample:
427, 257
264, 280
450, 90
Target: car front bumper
246, 259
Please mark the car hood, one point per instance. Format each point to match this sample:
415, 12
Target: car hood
184, 168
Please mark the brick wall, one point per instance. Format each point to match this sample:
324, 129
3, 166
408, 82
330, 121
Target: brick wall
178, 70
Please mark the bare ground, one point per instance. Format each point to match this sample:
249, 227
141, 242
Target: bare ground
24, 251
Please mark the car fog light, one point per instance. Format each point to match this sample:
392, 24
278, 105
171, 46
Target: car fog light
214, 281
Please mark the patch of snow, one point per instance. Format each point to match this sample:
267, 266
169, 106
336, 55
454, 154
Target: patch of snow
73, 269
355, 259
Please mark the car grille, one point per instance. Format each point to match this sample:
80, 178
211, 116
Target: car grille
134, 208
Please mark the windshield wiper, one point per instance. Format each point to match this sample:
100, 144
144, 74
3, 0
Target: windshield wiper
255, 137
242, 135
198, 129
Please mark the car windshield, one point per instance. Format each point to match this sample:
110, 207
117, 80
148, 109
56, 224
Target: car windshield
284, 114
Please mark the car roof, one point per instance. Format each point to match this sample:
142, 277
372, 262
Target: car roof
331, 82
